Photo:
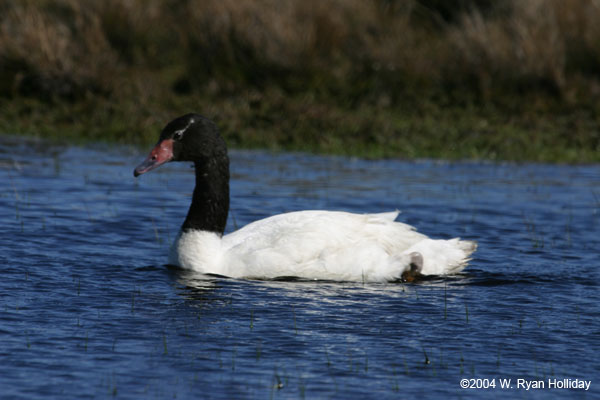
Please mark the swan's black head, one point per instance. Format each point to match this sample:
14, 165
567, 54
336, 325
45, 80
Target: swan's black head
190, 137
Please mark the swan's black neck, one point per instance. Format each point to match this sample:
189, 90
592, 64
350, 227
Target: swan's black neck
210, 204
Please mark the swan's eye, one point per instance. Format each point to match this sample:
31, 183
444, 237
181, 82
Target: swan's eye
178, 135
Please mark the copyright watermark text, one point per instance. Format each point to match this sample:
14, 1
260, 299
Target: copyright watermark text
525, 384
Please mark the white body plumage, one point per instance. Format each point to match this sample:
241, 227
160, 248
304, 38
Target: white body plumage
327, 245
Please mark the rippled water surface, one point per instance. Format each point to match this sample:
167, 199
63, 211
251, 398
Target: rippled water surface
89, 310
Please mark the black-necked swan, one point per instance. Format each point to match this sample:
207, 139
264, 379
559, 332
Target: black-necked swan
327, 245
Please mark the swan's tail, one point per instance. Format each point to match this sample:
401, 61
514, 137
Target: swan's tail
467, 247
442, 257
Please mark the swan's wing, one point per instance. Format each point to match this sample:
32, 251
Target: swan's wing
320, 244
308, 216
307, 223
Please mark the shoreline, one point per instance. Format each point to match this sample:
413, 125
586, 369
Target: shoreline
442, 133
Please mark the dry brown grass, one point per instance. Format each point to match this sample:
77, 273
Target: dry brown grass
69, 47
42, 53
543, 43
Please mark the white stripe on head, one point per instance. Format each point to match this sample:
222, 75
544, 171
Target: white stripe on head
181, 131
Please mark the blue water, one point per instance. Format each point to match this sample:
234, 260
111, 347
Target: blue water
88, 309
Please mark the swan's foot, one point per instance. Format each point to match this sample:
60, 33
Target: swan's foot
414, 269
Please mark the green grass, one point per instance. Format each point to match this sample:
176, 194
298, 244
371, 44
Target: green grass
299, 123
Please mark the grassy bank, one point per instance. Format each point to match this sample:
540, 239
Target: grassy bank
481, 79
